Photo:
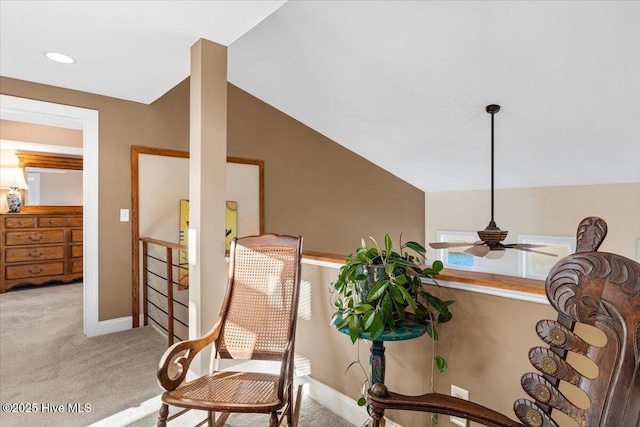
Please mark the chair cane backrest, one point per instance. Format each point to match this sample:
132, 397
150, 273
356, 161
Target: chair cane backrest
601, 290
261, 305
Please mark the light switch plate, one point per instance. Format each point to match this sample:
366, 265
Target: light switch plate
124, 215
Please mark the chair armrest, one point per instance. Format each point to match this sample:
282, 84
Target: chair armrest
175, 362
380, 399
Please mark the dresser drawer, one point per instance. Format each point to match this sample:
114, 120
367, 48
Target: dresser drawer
34, 254
35, 237
76, 235
59, 221
76, 251
34, 270
76, 266
19, 222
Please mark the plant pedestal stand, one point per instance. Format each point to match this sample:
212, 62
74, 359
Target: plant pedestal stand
377, 361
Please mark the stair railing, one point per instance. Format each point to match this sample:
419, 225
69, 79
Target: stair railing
154, 276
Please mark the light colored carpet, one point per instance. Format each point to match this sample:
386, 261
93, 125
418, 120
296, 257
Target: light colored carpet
48, 365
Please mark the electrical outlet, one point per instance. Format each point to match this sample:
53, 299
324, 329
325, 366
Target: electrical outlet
460, 393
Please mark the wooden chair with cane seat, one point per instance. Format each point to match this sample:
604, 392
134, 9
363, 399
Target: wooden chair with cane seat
595, 288
257, 322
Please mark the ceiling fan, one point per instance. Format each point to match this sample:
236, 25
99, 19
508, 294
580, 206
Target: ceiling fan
492, 236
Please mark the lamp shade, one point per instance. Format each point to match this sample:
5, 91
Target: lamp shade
12, 178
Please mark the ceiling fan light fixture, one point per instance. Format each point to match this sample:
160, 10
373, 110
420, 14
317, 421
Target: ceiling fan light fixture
495, 253
59, 57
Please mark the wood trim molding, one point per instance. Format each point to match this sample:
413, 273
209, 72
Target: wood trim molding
49, 209
260, 164
499, 281
513, 283
164, 243
46, 160
136, 150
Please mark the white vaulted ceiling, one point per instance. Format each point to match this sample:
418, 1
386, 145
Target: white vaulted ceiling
402, 83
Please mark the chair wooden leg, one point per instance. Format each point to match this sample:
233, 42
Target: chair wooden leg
295, 408
221, 420
289, 407
273, 420
162, 416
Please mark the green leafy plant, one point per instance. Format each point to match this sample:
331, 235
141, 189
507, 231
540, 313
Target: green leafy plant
378, 288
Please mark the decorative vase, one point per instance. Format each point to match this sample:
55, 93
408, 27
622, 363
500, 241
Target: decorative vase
14, 200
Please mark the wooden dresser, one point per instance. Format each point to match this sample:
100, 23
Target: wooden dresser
37, 248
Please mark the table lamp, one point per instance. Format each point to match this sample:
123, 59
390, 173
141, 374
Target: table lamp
13, 179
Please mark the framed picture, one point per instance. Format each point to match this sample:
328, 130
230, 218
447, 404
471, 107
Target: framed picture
183, 239
231, 231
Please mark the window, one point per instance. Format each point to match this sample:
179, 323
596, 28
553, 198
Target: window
536, 266
456, 257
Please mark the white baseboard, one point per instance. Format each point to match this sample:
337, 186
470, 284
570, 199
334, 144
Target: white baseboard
114, 325
337, 402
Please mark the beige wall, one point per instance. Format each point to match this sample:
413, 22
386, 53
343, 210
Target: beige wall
542, 211
163, 124
317, 188
28, 132
160, 193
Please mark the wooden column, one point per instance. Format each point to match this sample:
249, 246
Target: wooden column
207, 188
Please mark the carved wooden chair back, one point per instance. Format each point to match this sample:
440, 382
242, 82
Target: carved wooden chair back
602, 290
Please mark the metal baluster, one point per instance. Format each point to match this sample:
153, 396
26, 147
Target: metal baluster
170, 294
145, 283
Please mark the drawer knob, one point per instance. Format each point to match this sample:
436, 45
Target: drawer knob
19, 222
40, 237
67, 220
36, 254
40, 270
50, 221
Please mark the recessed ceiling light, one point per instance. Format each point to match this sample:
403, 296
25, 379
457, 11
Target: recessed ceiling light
59, 57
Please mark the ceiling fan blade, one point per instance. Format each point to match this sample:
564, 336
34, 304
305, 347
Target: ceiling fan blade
526, 249
444, 245
478, 250
523, 245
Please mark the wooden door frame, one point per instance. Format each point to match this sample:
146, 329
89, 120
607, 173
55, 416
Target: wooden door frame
86, 119
135, 212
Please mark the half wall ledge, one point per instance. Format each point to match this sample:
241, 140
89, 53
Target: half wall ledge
513, 287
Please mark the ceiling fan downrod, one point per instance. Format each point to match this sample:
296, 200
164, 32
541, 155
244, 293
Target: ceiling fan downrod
492, 233
492, 109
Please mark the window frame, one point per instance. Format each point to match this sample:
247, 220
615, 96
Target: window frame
524, 260
443, 254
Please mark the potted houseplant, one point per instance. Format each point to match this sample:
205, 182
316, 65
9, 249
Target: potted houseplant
379, 289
